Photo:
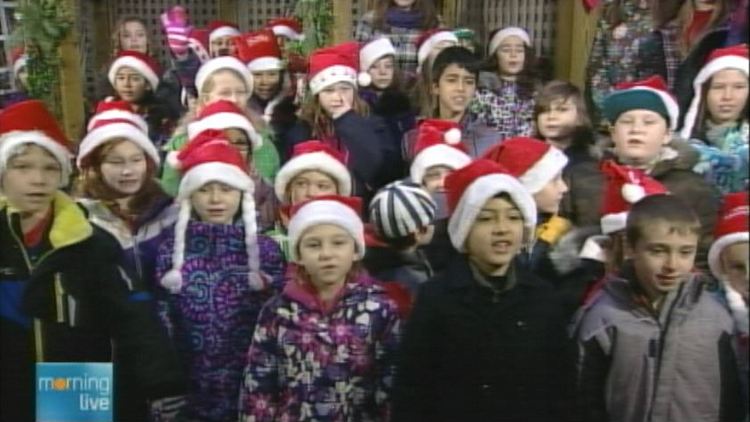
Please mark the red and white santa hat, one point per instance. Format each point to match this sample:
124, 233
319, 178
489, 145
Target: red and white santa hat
19, 59
624, 187
438, 144
470, 187
374, 51
198, 42
289, 28
259, 51
533, 162
331, 65
29, 122
511, 31
341, 211
116, 119
430, 39
207, 158
141, 63
223, 63
314, 156
735, 57
222, 115
649, 94
220, 29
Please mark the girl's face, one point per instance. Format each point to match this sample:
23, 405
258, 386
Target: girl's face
266, 84
216, 203
327, 252
30, 180
130, 85
382, 72
133, 36
496, 236
310, 184
404, 4
559, 121
455, 89
337, 98
434, 178
511, 55
226, 85
727, 96
238, 139
549, 197
124, 168
735, 265
222, 46
639, 136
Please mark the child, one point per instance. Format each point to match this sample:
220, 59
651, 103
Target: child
717, 122
131, 33
506, 103
217, 273
483, 337
189, 48
19, 61
402, 214
324, 348
221, 38
63, 296
429, 45
315, 169
653, 343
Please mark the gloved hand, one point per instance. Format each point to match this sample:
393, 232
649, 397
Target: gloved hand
167, 409
176, 27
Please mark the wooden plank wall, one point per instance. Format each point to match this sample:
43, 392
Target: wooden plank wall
575, 33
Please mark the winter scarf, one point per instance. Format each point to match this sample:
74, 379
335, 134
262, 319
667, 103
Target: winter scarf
399, 18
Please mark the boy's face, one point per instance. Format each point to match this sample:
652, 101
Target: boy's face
455, 89
548, 199
327, 252
735, 266
558, 122
222, 46
662, 257
31, 179
216, 203
434, 178
639, 136
496, 236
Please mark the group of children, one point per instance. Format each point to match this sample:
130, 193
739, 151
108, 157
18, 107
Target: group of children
328, 246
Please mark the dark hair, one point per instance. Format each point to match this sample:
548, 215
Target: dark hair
683, 11
400, 243
460, 56
699, 127
425, 7
583, 133
663, 208
527, 79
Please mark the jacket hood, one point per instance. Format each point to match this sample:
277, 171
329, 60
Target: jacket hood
677, 155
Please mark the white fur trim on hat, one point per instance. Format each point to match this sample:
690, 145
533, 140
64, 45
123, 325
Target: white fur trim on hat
19, 64
332, 75
103, 134
512, 31
593, 248
477, 194
426, 47
614, 222
544, 170
262, 64
287, 32
214, 172
119, 115
223, 121
223, 31
669, 103
738, 308
314, 161
11, 140
138, 66
436, 155
220, 63
325, 212
714, 254
374, 51
722, 63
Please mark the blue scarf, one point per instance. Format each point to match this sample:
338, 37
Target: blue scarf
400, 18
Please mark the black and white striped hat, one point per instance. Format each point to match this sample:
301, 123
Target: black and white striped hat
400, 209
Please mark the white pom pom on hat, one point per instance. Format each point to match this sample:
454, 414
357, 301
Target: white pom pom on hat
364, 79
453, 136
632, 192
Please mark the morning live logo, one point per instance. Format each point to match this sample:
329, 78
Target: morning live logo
74, 392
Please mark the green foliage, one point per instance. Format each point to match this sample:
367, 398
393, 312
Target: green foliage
317, 20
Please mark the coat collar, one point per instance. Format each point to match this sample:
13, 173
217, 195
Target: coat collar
460, 275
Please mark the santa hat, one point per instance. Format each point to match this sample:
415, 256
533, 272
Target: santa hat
259, 51
624, 187
223, 63
314, 156
210, 158
470, 187
29, 122
533, 162
438, 144
735, 57
19, 59
331, 65
649, 94
401, 209
220, 29
374, 51
116, 119
341, 211
429, 39
141, 63
199, 43
511, 31
222, 115
289, 28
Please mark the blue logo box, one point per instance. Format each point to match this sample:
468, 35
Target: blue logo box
74, 392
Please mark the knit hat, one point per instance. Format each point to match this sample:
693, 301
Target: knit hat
314, 156
331, 65
624, 187
341, 211
649, 94
533, 162
289, 28
400, 209
29, 122
222, 63
199, 43
222, 115
141, 63
210, 158
429, 39
19, 59
374, 51
438, 144
470, 187
735, 57
116, 119
511, 31
220, 29
259, 50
